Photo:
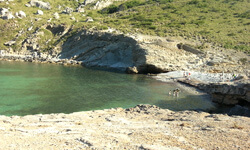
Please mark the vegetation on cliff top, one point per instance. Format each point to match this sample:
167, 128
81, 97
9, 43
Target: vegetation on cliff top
222, 22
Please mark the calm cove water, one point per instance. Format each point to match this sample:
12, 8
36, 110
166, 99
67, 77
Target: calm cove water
29, 88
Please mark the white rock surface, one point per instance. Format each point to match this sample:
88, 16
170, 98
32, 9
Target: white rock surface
40, 4
39, 12
20, 14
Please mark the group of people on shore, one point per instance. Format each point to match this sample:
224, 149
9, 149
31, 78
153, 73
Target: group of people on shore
175, 92
186, 75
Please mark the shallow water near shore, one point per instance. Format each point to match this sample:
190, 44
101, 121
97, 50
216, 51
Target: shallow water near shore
30, 88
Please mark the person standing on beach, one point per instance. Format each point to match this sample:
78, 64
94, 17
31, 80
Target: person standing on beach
189, 75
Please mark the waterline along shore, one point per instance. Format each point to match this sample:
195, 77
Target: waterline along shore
38, 58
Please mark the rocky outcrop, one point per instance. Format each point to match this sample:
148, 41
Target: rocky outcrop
99, 4
3, 11
102, 4
103, 50
229, 94
189, 48
6, 14
224, 88
86, 2
122, 51
148, 54
40, 4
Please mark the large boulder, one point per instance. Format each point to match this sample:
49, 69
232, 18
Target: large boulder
40, 4
228, 94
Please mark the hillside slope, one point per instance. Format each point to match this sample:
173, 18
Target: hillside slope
154, 36
221, 22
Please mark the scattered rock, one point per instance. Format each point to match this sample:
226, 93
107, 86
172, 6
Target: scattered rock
20, 14
89, 19
80, 9
67, 10
30, 28
10, 43
39, 12
27, 5
56, 15
132, 70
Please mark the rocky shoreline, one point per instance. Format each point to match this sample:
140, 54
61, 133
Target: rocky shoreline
141, 127
35, 58
224, 88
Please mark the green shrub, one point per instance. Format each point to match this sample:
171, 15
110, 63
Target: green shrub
193, 2
231, 34
243, 60
163, 1
242, 47
132, 3
152, 27
245, 15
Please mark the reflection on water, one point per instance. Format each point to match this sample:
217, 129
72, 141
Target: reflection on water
29, 88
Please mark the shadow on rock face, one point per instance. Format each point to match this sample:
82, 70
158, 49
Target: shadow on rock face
239, 111
102, 49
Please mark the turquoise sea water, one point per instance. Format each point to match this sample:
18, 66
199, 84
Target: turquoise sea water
29, 88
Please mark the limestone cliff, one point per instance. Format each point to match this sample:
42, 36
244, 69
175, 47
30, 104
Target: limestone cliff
149, 54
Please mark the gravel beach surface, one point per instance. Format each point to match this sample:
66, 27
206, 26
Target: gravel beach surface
199, 76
